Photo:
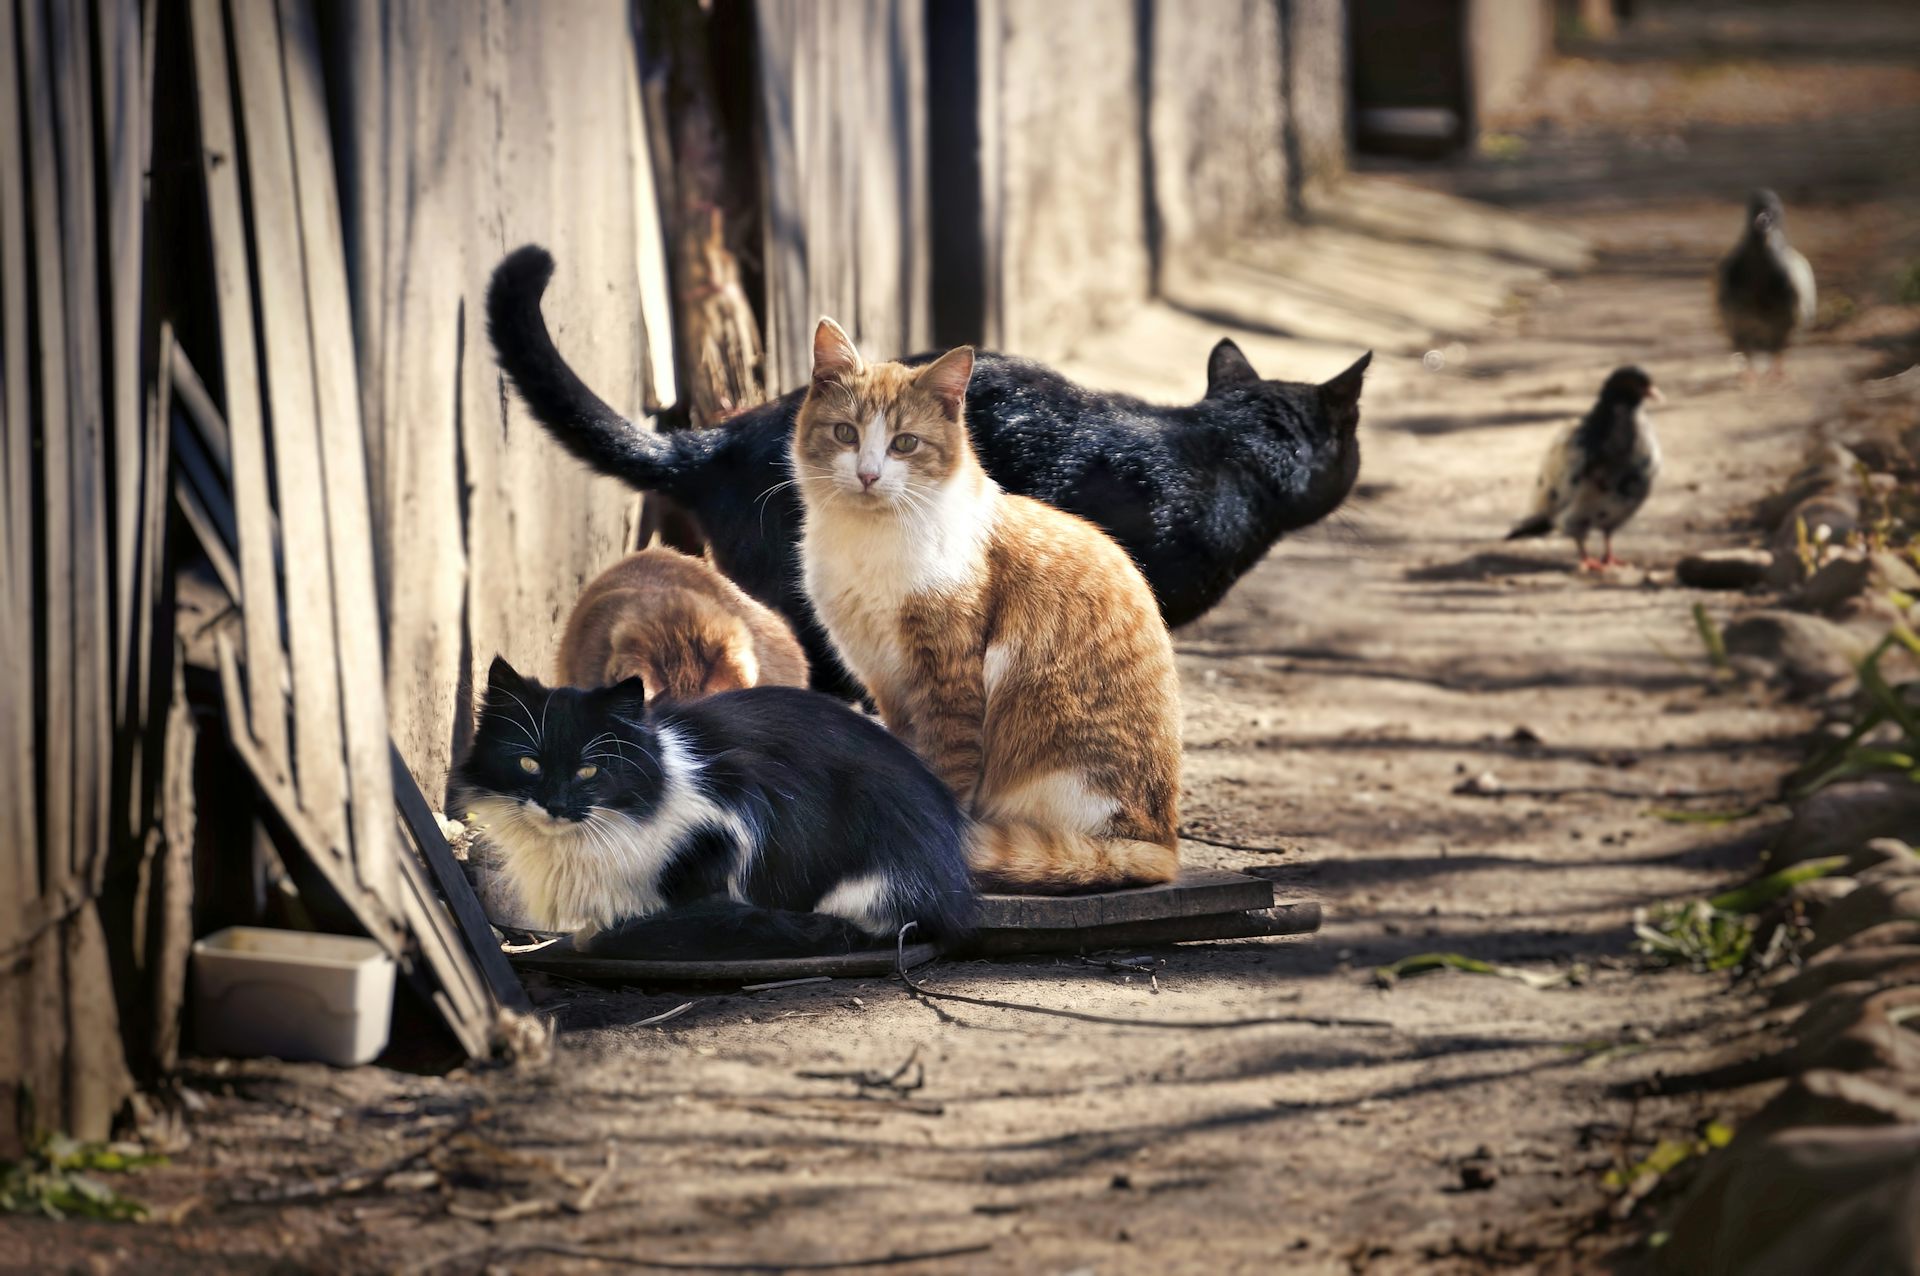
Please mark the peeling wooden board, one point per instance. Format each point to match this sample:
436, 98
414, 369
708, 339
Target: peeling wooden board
219, 159
560, 959
343, 458
1281, 919
279, 274
1196, 892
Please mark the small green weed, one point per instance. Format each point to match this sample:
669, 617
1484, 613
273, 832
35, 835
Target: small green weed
57, 1178
1717, 933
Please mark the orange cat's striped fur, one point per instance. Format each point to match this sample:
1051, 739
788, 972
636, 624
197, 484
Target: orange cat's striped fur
1016, 647
679, 626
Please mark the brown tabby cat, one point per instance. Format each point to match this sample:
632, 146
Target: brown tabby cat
1015, 647
680, 627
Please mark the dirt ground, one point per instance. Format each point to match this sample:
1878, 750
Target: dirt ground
1450, 743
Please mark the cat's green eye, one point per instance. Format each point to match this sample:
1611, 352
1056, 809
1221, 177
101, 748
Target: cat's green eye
588, 772
905, 443
846, 434
530, 766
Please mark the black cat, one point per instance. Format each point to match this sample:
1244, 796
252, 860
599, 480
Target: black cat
767, 822
1197, 495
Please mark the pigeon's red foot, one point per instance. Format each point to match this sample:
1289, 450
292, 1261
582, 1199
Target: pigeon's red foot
1611, 561
1591, 564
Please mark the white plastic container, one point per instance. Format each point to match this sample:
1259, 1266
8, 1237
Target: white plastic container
291, 994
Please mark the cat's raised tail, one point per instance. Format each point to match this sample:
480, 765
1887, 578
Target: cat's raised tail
1027, 858
580, 420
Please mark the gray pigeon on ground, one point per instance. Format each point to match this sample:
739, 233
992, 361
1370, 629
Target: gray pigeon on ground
1599, 469
1764, 288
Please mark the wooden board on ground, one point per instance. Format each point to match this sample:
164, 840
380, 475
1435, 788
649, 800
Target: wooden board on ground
1203, 904
558, 958
1197, 892
1258, 923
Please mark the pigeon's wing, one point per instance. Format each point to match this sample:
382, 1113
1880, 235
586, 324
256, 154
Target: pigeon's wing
1801, 276
1553, 490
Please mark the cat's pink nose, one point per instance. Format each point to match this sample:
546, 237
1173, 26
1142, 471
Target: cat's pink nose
867, 480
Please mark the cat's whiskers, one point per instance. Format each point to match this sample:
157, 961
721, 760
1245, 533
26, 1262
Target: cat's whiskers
507, 718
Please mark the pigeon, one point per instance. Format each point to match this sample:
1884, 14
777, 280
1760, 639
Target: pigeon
1599, 470
1764, 289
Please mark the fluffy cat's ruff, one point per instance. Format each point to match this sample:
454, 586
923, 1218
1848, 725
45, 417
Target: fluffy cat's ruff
1014, 646
1196, 495
772, 798
680, 627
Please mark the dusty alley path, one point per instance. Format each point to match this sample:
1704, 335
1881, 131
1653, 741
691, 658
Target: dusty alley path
1334, 706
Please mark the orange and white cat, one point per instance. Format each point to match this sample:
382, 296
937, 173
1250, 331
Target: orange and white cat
679, 626
1014, 646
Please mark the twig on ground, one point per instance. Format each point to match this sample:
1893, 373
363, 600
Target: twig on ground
1311, 1021
358, 1180
511, 1212
868, 1079
675, 1013
584, 1202
697, 1265
786, 983
1191, 836
1147, 966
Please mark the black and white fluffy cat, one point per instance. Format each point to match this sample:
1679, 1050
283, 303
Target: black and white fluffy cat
765, 822
1196, 494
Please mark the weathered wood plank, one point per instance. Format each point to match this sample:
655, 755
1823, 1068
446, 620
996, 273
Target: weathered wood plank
342, 450
19, 824
467, 1008
206, 530
15, 437
1194, 893
845, 177
560, 959
457, 891
1281, 919
153, 640
173, 886
233, 296
123, 129
56, 530
89, 508
305, 547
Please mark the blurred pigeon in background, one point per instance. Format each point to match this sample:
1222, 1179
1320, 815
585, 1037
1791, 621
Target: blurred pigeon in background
1599, 470
1763, 287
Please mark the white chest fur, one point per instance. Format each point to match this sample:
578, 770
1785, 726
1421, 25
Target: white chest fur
862, 569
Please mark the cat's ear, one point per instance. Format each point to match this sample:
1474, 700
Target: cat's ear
946, 379
502, 676
1342, 394
1226, 366
835, 357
